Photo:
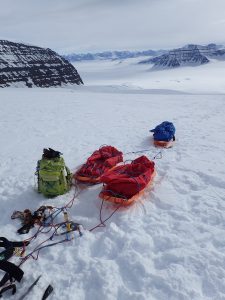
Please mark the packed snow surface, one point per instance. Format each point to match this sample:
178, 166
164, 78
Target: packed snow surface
128, 73
171, 243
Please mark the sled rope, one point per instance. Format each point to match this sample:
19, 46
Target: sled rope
52, 216
157, 156
50, 226
102, 222
41, 246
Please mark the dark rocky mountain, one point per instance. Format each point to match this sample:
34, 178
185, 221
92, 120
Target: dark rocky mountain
190, 55
210, 50
218, 54
25, 65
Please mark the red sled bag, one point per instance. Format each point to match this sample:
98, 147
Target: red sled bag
123, 184
98, 163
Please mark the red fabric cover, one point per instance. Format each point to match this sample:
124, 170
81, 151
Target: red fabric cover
127, 180
100, 161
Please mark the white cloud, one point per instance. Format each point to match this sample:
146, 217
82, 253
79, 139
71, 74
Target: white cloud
85, 25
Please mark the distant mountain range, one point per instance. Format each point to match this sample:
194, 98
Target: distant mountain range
189, 55
111, 55
25, 65
30, 66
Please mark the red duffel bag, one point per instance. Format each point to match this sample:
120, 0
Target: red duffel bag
123, 183
98, 163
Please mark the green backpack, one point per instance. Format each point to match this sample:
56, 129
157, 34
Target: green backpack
54, 178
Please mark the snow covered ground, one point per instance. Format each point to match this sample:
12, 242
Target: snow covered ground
208, 78
171, 243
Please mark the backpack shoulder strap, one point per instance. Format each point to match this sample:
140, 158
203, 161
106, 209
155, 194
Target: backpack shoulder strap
11, 286
12, 271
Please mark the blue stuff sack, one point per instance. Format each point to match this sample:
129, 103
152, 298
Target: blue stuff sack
164, 132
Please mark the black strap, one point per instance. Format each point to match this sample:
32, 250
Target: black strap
51, 154
47, 292
25, 228
5, 279
6, 254
9, 287
12, 271
20, 244
9, 247
8, 244
5, 243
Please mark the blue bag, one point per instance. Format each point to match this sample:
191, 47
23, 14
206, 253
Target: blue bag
164, 132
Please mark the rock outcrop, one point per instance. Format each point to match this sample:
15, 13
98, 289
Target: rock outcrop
187, 56
31, 66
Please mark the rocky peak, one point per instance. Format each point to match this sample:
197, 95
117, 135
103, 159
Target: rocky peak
26, 65
189, 55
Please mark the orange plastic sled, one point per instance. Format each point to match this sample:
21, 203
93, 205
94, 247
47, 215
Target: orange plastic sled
106, 196
164, 144
89, 179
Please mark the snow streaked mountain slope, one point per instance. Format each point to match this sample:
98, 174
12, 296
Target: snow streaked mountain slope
189, 55
171, 244
178, 58
26, 65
